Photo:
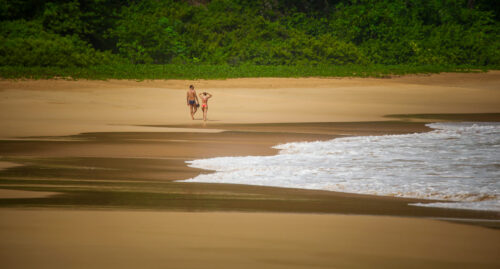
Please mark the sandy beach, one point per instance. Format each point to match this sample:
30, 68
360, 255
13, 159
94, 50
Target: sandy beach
59, 107
90, 170
131, 239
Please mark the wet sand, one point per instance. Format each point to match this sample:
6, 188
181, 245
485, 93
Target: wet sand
16, 194
141, 171
108, 147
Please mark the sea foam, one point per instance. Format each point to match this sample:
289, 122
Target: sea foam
458, 163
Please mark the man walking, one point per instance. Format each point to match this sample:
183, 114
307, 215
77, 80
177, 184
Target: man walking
192, 101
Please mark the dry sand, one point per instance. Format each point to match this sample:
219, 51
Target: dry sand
128, 239
59, 107
152, 122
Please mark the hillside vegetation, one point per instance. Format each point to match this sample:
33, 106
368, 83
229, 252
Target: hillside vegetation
238, 38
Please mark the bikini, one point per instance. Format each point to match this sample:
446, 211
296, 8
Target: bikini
204, 105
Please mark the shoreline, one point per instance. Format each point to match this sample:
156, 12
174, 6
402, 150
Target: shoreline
157, 161
237, 180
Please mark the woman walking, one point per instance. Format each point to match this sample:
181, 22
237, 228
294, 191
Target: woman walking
204, 103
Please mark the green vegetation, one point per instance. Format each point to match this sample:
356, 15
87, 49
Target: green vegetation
223, 71
150, 39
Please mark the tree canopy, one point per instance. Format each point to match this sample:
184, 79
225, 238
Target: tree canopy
259, 32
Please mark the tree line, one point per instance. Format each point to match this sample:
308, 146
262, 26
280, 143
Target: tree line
82, 33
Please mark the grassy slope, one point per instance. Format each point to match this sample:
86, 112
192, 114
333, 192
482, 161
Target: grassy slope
191, 71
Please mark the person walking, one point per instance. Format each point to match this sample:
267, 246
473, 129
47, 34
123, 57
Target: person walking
204, 103
192, 101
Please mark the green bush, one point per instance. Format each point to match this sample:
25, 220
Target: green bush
148, 32
27, 44
242, 32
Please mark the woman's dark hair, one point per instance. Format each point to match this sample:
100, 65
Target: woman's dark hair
191, 86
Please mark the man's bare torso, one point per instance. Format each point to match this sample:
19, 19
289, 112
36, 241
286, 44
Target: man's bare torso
191, 95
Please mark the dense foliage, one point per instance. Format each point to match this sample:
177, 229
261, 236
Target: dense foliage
84, 33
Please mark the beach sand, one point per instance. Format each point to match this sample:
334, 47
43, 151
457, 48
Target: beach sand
60, 107
111, 151
16, 194
131, 239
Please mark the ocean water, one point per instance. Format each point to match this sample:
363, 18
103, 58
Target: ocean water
458, 163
